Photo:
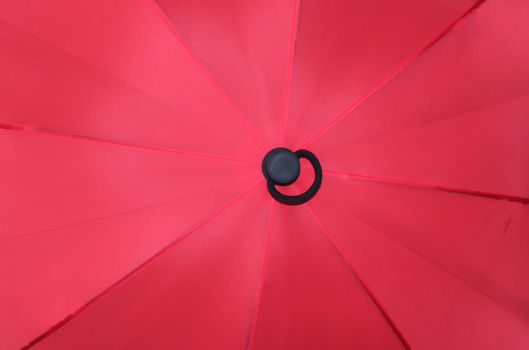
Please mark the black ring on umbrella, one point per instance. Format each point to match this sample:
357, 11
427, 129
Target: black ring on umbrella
303, 197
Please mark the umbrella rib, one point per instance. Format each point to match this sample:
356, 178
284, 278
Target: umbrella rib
436, 265
67, 53
394, 73
82, 222
143, 265
291, 54
425, 186
98, 69
87, 63
368, 290
49, 133
220, 90
262, 276
433, 121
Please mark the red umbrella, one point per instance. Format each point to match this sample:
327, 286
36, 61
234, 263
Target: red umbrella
146, 149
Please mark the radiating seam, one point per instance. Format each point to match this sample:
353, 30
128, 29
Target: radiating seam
220, 90
375, 300
143, 265
431, 187
393, 74
290, 69
50, 133
262, 276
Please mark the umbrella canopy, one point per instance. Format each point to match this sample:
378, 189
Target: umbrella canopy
275, 174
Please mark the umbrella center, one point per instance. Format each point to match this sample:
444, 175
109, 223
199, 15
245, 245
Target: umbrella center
281, 167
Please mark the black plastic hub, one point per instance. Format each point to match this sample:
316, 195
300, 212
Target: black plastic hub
281, 167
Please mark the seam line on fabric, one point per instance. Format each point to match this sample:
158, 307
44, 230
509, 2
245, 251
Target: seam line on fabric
141, 267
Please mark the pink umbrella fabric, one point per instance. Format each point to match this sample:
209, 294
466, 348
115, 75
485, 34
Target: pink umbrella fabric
134, 213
